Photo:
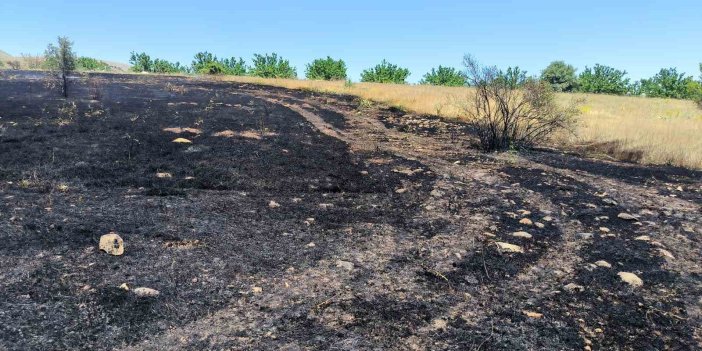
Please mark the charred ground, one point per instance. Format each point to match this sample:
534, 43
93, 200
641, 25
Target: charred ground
384, 237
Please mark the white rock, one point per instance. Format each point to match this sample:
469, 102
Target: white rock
273, 204
631, 279
112, 243
507, 247
603, 263
345, 265
525, 221
145, 292
523, 235
626, 216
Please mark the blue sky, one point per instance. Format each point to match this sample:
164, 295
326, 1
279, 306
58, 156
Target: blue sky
640, 36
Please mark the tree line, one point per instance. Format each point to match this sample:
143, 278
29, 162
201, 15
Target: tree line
560, 76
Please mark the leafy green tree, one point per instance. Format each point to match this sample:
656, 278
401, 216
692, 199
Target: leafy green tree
513, 77
202, 60
447, 76
62, 59
165, 66
385, 72
90, 64
141, 62
326, 69
272, 66
560, 76
234, 67
667, 83
603, 80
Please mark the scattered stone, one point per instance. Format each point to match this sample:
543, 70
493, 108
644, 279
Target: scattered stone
489, 235
532, 314
273, 204
507, 247
146, 292
364, 172
679, 188
400, 191
539, 225
610, 202
124, 286
524, 212
603, 263
311, 245
604, 229
626, 216
548, 219
643, 238
631, 279
436, 193
309, 221
584, 236
572, 287
523, 235
326, 206
345, 265
256, 290
182, 141
439, 323
525, 221
164, 175
112, 243
666, 254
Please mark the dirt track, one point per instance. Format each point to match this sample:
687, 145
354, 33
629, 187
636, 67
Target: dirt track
384, 237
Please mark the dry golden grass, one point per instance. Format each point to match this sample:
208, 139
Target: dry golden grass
655, 131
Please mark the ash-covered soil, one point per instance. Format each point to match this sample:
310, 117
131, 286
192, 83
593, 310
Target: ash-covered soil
302, 221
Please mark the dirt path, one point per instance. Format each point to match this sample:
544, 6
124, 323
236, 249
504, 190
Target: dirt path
387, 234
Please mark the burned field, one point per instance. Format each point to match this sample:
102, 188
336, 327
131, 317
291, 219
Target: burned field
299, 221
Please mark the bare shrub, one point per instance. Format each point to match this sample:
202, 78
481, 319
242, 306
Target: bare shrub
507, 117
14, 64
95, 88
176, 89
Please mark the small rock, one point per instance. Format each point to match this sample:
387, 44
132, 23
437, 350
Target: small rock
164, 175
532, 314
584, 236
643, 238
438, 324
401, 190
146, 292
548, 219
112, 244
603, 263
574, 287
507, 247
679, 188
665, 253
256, 290
626, 216
523, 235
604, 229
326, 206
525, 221
539, 225
436, 193
524, 212
124, 286
310, 245
345, 265
273, 204
364, 172
182, 141
631, 279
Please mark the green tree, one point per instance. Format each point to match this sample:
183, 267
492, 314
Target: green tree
234, 67
165, 66
272, 66
61, 59
202, 60
603, 80
560, 76
141, 62
447, 76
90, 64
513, 77
326, 69
385, 72
667, 83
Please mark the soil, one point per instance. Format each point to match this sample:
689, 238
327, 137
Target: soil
302, 221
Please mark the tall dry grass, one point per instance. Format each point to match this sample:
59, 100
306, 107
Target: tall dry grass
646, 130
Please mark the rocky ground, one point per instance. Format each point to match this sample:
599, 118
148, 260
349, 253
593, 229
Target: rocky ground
299, 221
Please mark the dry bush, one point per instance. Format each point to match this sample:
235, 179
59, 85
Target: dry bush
505, 117
95, 88
14, 64
176, 89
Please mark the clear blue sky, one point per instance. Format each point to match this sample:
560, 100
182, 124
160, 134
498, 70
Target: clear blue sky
640, 36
